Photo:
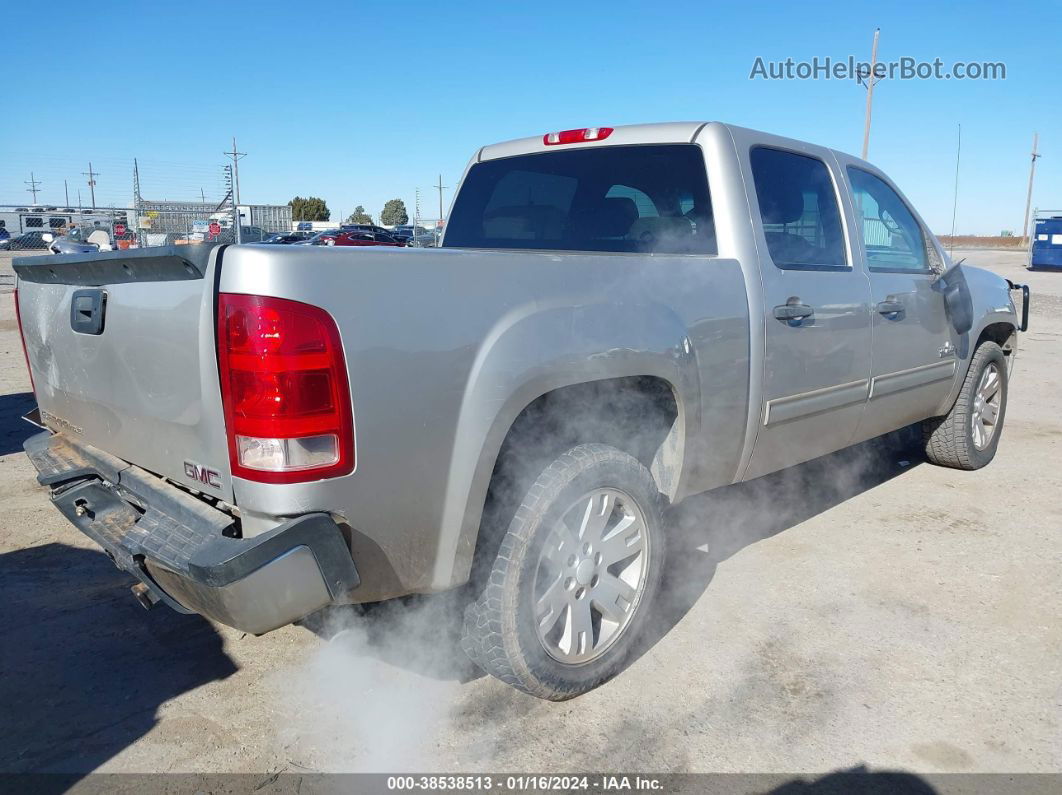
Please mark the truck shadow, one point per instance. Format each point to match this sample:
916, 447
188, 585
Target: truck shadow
858, 781
13, 429
422, 634
82, 669
707, 529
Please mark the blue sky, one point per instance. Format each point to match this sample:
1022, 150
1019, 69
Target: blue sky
359, 102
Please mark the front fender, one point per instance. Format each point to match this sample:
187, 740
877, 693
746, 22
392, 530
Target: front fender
975, 299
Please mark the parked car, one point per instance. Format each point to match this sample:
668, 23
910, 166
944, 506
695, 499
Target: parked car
365, 239
287, 238
326, 237
601, 335
34, 239
420, 237
363, 228
72, 244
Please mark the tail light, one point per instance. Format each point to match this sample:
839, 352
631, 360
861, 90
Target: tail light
577, 136
22, 339
284, 387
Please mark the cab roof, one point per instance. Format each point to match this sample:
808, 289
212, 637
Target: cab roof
675, 132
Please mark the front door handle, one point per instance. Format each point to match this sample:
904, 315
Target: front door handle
793, 310
890, 307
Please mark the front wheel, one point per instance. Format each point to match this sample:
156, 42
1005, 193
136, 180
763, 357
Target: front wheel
967, 436
572, 586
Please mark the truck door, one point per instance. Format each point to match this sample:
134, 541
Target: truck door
914, 360
816, 312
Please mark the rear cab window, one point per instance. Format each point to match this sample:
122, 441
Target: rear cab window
798, 209
644, 198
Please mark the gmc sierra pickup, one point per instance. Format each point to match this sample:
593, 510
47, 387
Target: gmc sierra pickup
617, 318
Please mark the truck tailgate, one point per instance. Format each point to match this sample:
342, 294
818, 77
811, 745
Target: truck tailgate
122, 354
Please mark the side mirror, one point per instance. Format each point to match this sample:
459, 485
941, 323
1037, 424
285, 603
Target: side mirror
957, 299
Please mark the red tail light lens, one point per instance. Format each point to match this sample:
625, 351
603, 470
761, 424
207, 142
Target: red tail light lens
284, 386
577, 136
22, 339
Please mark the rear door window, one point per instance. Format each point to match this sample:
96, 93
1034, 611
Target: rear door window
798, 208
651, 199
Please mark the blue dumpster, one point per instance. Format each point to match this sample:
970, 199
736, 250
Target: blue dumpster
1047, 243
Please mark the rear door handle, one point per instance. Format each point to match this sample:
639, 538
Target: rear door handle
793, 310
890, 307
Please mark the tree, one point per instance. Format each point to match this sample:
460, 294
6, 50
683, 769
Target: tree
309, 209
359, 216
394, 213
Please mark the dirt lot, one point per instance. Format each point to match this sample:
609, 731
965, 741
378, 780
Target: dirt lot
975, 241
865, 609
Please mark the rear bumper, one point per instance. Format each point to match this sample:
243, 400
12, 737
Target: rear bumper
183, 551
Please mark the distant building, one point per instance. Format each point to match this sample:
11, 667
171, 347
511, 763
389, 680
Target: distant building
185, 218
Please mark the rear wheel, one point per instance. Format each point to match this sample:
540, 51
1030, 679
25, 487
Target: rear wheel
571, 588
967, 437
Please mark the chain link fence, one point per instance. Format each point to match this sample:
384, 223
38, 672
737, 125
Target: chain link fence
162, 223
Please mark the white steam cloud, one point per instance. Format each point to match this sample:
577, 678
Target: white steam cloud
378, 693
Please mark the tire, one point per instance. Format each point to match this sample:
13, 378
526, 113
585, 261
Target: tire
534, 568
954, 439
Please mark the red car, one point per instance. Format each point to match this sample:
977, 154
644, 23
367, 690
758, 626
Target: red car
358, 238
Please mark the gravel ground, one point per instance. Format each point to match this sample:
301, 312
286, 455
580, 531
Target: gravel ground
864, 609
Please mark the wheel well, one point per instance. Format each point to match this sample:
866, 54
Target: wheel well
1000, 333
639, 415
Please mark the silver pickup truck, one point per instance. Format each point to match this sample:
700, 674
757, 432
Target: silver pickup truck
617, 318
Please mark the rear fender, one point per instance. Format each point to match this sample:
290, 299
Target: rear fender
533, 351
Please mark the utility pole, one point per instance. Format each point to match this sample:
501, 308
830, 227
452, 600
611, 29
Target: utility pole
236, 156
141, 235
1028, 197
66, 190
955, 201
440, 188
34, 186
416, 217
871, 80
91, 182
